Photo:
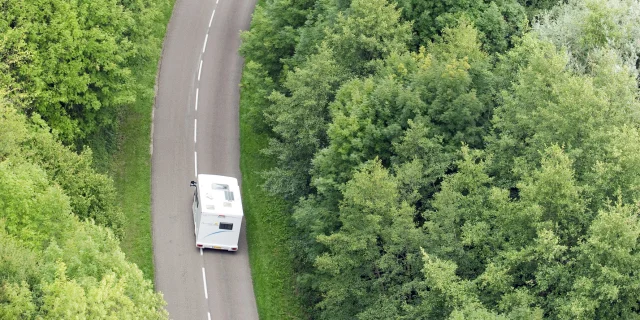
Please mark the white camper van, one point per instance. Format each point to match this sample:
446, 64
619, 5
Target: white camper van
217, 212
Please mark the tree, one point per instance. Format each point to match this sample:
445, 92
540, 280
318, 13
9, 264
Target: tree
373, 258
543, 246
497, 21
29, 204
299, 121
419, 162
71, 60
560, 201
92, 194
274, 33
366, 118
257, 86
457, 87
367, 31
447, 88
607, 284
40, 284
17, 276
586, 28
512, 163
54, 265
547, 104
458, 227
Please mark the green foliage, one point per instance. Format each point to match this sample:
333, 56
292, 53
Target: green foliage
70, 60
366, 120
256, 86
459, 218
531, 253
458, 87
549, 105
441, 163
374, 256
590, 29
607, 282
268, 219
17, 275
41, 284
274, 33
445, 88
54, 265
418, 163
553, 189
497, 21
367, 31
91, 194
300, 115
299, 121
30, 204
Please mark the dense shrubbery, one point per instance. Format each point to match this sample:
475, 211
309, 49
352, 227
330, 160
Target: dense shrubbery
442, 162
70, 61
65, 73
55, 265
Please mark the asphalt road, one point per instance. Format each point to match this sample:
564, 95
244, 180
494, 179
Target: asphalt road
196, 130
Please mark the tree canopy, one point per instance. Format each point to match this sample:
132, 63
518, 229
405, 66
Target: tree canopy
57, 262
453, 160
70, 61
65, 74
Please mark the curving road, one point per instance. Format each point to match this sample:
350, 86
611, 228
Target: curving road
196, 129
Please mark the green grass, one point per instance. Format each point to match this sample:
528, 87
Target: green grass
131, 169
268, 231
130, 165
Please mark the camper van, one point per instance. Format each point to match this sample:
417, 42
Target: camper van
217, 212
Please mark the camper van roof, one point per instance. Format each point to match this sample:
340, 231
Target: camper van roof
219, 195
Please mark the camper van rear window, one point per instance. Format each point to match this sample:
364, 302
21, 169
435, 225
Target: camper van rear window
226, 226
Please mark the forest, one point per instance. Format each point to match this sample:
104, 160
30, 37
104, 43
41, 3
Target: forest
65, 78
459, 159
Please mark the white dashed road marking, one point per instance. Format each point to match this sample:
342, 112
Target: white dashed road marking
204, 46
195, 130
211, 20
204, 278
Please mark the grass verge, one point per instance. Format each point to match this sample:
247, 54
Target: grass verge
131, 170
268, 231
130, 165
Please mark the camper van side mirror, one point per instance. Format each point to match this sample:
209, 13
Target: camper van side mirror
193, 183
